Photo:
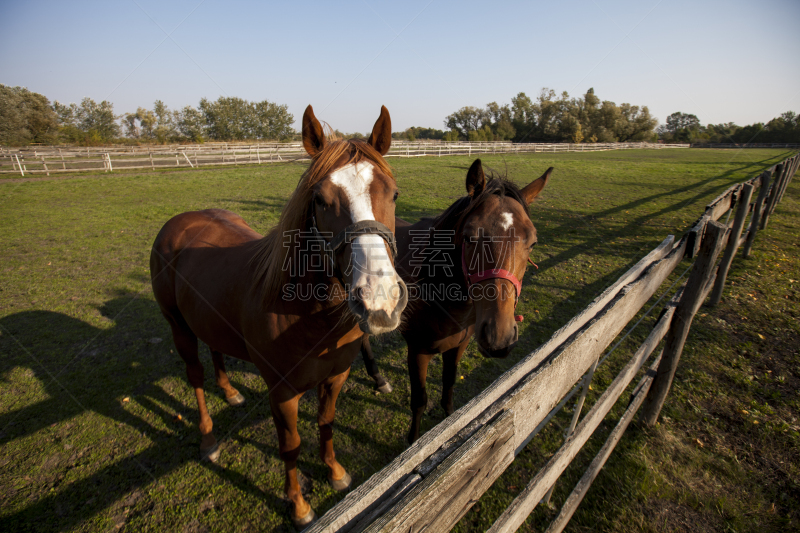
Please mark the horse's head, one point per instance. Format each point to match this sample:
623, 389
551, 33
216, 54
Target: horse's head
354, 201
497, 237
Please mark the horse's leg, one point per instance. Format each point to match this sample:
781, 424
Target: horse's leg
186, 344
417, 374
232, 395
327, 393
381, 385
284, 414
450, 360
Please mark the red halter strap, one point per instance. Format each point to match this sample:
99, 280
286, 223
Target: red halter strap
492, 274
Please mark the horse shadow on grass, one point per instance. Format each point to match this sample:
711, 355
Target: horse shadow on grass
117, 389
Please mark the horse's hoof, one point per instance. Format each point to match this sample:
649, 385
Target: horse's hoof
211, 454
236, 400
302, 523
341, 485
386, 388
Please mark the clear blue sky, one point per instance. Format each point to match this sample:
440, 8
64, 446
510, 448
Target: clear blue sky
721, 60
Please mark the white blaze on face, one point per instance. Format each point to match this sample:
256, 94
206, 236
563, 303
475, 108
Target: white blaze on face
507, 220
372, 267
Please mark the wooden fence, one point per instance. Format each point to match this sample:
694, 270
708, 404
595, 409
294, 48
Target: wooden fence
46, 160
433, 483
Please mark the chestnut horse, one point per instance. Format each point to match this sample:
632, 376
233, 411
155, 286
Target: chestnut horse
463, 270
248, 296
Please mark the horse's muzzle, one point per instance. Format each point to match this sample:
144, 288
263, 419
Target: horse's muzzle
490, 344
375, 322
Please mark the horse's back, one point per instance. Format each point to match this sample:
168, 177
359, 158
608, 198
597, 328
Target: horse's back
199, 267
218, 227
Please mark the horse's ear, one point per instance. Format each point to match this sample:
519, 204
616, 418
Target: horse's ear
313, 136
381, 136
532, 190
476, 180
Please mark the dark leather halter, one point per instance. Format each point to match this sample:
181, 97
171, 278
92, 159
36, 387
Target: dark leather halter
494, 273
349, 234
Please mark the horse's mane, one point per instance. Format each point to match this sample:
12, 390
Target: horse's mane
454, 216
271, 251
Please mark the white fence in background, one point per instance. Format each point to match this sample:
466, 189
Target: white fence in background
47, 159
745, 145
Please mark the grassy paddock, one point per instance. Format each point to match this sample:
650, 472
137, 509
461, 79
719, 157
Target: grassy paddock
98, 424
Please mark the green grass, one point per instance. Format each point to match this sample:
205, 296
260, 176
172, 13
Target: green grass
80, 333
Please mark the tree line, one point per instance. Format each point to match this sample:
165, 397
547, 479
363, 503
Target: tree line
552, 118
28, 117
686, 128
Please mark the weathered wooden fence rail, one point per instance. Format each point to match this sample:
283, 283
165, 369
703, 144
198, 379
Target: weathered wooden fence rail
44, 160
433, 483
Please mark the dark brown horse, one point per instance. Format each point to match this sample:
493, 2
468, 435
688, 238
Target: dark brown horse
295, 302
463, 270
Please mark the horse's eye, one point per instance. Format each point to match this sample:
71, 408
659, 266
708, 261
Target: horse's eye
396, 194
319, 201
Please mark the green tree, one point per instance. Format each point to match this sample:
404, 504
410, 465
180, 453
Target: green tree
272, 121
130, 126
25, 117
226, 118
191, 124
164, 130
466, 119
683, 127
231, 118
97, 121
501, 121
523, 117
782, 129
451, 136
416, 132
577, 137
88, 123
634, 124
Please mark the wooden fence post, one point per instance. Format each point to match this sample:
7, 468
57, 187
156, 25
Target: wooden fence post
756, 218
690, 302
768, 206
792, 168
788, 165
787, 171
733, 243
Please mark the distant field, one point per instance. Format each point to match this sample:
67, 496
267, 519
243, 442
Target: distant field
80, 333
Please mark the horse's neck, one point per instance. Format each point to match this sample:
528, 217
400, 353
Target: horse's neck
438, 263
